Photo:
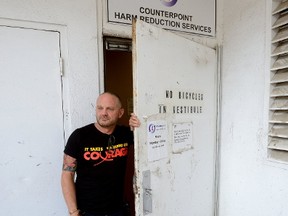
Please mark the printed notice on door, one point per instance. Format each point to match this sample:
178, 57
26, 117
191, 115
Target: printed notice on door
157, 140
182, 136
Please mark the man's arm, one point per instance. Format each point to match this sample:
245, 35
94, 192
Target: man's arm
68, 185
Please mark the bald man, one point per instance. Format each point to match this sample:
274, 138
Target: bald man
97, 154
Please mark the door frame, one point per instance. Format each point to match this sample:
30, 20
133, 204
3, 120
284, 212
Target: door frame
219, 53
125, 32
218, 102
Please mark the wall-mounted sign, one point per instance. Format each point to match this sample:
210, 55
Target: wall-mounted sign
197, 16
157, 140
182, 136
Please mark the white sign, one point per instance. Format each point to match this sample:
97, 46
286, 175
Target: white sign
197, 16
182, 136
157, 140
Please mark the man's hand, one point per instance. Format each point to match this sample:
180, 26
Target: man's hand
134, 121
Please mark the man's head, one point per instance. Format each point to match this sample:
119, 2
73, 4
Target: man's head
108, 110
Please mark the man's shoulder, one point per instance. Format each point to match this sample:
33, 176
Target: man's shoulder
87, 127
122, 127
84, 129
123, 130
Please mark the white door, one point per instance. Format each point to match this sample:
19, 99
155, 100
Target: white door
175, 148
31, 129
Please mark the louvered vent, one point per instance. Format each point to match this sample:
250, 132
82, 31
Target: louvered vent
278, 119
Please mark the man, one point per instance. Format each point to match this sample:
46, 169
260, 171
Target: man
97, 153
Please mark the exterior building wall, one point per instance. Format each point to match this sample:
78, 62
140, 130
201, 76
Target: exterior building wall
249, 183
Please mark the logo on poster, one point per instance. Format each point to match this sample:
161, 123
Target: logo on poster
169, 3
152, 128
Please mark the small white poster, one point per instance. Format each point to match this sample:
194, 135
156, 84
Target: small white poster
157, 140
182, 136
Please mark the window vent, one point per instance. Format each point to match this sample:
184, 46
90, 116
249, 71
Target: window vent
118, 44
278, 116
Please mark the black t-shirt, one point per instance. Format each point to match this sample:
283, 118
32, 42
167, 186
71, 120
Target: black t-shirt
101, 165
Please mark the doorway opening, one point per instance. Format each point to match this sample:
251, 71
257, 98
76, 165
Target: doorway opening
118, 79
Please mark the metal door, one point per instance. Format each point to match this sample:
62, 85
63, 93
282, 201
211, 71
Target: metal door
32, 134
175, 97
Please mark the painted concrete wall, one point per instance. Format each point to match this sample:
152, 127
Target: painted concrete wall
249, 184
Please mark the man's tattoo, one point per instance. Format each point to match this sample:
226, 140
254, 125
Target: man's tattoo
69, 168
69, 164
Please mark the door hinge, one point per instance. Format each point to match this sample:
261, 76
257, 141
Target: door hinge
61, 66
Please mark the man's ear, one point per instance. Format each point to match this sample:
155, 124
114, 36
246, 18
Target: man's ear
121, 112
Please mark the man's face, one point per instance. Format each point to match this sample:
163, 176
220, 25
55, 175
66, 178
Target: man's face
108, 110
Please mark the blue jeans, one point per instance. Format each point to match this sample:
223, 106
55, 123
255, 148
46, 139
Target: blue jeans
118, 213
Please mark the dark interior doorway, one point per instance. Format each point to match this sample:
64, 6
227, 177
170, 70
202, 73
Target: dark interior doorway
118, 79
118, 72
